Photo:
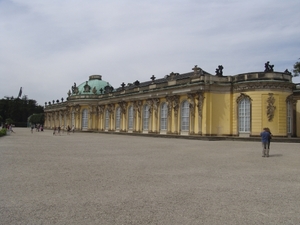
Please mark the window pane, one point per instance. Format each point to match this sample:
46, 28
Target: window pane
244, 115
130, 117
185, 116
145, 117
163, 116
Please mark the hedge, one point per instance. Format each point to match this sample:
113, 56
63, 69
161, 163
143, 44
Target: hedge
2, 132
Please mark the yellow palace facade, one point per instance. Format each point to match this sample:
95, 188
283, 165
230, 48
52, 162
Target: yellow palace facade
193, 103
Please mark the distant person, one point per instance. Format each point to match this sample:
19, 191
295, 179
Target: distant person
10, 129
32, 127
268, 130
54, 130
68, 129
58, 130
265, 140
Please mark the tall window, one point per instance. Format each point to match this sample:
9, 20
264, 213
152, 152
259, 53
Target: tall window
146, 117
73, 118
163, 116
130, 117
185, 116
118, 118
289, 117
244, 115
106, 119
84, 119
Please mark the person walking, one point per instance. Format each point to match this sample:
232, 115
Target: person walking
265, 138
68, 129
54, 130
10, 129
58, 130
32, 127
268, 130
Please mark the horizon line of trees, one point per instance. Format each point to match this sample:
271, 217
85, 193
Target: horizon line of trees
17, 111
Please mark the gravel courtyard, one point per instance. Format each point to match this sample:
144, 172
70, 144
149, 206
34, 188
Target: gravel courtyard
92, 178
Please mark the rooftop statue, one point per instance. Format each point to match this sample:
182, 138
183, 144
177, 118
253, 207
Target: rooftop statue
219, 71
268, 67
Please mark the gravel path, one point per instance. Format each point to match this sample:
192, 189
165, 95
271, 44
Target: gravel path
90, 178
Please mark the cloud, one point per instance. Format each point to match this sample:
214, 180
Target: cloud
47, 45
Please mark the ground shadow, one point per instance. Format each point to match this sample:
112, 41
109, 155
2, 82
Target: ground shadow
275, 155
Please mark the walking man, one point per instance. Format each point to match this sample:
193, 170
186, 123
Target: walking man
265, 138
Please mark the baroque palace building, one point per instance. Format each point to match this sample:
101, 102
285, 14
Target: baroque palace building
193, 103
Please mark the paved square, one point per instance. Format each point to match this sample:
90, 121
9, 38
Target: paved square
89, 178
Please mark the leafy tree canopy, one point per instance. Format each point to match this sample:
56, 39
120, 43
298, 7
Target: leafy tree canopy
18, 110
37, 118
296, 70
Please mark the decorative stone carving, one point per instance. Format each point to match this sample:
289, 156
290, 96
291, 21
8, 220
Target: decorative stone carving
87, 88
287, 72
153, 78
123, 86
172, 76
260, 85
137, 106
111, 108
57, 115
268, 67
241, 97
91, 110
173, 103
94, 90
219, 71
191, 100
100, 109
200, 98
291, 100
153, 105
270, 107
123, 106
197, 71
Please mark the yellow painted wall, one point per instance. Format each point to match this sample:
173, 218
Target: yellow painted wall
217, 114
298, 118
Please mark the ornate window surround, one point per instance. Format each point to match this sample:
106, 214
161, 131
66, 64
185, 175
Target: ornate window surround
239, 99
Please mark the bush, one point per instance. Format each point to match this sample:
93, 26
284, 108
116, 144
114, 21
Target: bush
2, 132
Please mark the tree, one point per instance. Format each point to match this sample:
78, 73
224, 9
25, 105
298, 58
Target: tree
37, 118
19, 109
296, 69
9, 121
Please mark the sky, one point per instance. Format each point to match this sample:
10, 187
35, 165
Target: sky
46, 46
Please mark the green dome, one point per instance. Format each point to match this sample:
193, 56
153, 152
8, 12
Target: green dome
91, 87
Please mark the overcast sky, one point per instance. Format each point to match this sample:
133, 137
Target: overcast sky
47, 45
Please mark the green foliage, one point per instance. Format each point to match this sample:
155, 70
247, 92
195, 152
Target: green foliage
9, 121
18, 109
37, 118
296, 70
2, 132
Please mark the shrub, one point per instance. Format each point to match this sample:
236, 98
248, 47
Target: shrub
2, 132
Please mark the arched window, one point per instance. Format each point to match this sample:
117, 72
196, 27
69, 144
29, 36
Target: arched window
145, 117
106, 119
84, 119
185, 116
130, 117
163, 116
244, 112
118, 118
